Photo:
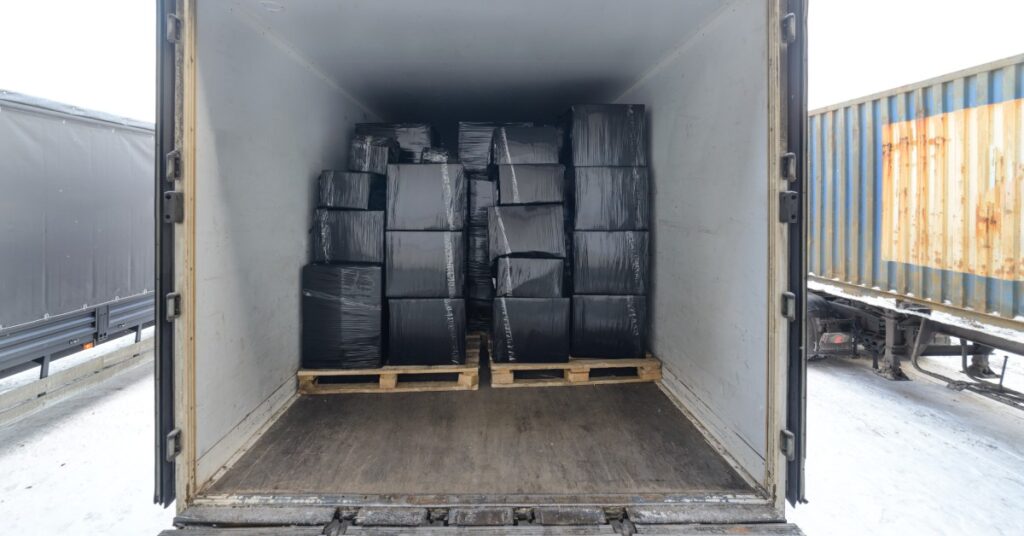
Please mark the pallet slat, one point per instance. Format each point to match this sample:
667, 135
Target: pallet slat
576, 372
389, 377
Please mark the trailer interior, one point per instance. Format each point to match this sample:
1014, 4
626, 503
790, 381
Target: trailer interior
271, 93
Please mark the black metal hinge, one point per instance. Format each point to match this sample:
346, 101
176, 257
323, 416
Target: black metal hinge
173, 445
174, 207
789, 206
172, 306
789, 28
787, 444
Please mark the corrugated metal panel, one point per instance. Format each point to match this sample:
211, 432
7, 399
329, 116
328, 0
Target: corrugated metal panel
918, 192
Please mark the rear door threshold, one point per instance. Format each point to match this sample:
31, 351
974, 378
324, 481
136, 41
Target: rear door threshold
484, 520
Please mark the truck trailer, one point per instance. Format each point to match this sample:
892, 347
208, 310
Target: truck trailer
75, 225
915, 225
257, 97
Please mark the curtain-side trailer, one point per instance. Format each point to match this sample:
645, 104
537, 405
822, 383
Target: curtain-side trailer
76, 246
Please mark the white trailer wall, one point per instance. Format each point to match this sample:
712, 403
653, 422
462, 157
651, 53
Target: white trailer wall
272, 112
267, 123
708, 105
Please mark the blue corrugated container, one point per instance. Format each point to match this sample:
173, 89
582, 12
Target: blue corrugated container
918, 193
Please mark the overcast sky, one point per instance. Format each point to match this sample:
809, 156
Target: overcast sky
99, 54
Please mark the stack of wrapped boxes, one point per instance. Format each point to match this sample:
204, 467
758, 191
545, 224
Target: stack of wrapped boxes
527, 246
611, 202
425, 264
413, 139
475, 155
342, 290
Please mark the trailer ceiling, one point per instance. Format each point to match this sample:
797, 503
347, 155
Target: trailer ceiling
455, 59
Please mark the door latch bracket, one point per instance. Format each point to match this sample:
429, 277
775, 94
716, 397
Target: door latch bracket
173, 445
787, 444
172, 306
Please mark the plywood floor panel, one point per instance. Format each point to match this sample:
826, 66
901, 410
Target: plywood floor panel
610, 439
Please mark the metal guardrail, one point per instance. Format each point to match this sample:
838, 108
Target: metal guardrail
41, 342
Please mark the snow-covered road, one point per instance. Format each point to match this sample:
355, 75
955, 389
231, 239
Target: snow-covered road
908, 458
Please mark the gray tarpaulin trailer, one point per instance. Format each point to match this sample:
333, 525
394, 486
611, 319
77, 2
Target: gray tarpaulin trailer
257, 97
76, 220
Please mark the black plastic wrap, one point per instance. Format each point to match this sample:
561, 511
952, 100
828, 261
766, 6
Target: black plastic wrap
341, 316
372, 154
609, 326
352, 190
524, 184
412, 138
526, 145
530, 330
425, 264
526, 230
427, 332
435, 155
611, 198
478, 315
423, 197
478, 265
348, 236
520, 277
475, 143
610, 262
483, 194
608, 135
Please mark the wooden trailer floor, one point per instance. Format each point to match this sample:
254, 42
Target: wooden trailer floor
607, 439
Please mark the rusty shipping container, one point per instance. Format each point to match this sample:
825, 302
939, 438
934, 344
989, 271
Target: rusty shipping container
917, 193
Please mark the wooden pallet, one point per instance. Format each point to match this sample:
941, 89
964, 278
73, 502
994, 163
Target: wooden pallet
396, 378
575, 372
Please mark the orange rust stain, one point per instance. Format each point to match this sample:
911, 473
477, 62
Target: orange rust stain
951, 191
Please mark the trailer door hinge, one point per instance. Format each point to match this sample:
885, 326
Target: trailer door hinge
787, 444
172, 306
789, 206
789, 306
788, 162
173, 445
789, 28
174, 207
173, 28
172, 165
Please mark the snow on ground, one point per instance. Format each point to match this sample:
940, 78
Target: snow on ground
899, 458
908, 458
84, 465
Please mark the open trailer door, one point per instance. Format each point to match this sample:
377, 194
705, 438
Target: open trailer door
166, 168
795, 169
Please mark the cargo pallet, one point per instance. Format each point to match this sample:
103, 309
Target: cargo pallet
576, 372
397, 378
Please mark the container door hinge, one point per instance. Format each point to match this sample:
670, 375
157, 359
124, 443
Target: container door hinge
789, 28
789, 206
173, 28
173, 446
788, 170
172, 165
787, 444
174, 207
789, 306
172, 306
